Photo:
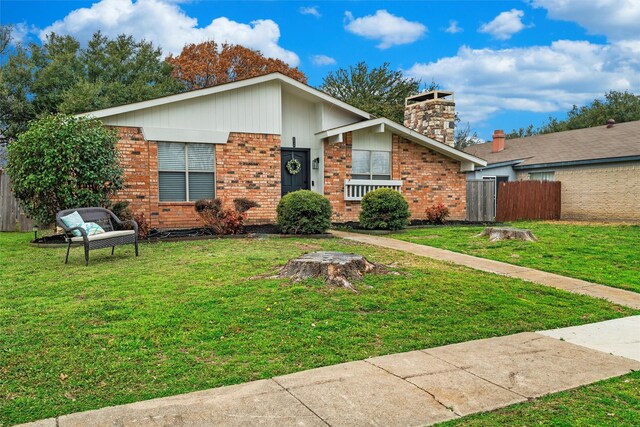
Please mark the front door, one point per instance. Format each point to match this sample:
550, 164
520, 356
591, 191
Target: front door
295, 169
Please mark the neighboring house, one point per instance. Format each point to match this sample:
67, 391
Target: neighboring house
242, 139
599, 168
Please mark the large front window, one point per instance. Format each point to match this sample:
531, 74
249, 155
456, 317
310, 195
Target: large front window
186, 171
368, 164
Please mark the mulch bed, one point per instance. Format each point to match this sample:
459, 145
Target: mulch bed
271, 230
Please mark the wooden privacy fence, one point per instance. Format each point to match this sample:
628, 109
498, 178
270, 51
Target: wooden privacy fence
481, 200
12, 218
528, 200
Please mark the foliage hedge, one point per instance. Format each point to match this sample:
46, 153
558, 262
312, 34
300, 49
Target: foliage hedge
304, 212
63, 162
384, 209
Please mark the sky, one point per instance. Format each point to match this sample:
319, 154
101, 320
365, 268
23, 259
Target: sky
510, 63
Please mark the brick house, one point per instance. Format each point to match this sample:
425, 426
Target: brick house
598, 167
245, 138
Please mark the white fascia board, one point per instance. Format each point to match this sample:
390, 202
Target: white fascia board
323, 96
409, 134
107, 112
349, 128
185, 135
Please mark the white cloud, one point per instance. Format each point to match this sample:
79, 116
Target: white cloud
311, 10
167, 25
391, 30
320, 60
22, 32
453, 27
535, 79
616, 19
504, 25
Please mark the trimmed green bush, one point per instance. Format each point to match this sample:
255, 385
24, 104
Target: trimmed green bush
304, 212
384, 209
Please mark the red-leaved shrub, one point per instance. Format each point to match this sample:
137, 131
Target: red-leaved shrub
224, 221
437, 214
143, 225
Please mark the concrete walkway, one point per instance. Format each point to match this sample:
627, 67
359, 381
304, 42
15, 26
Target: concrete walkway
576, 286
407, 389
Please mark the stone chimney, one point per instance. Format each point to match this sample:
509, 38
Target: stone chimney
497, 144
432, 114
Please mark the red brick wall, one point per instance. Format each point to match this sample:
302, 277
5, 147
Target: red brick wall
247, 166
428, 178
137, 158
337, 168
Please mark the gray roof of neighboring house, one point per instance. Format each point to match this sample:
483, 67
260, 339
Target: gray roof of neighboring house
620, 141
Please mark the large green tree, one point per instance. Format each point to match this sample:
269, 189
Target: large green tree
62, 76
619, 106
380, 91
62, 162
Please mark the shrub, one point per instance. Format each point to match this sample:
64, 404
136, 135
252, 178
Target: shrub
63, 162
242, 205
224, 221
122, 211
143, 225
304, 212
384, 209
214, 205
437, 214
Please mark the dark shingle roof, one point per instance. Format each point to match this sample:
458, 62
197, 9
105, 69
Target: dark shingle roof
622, 140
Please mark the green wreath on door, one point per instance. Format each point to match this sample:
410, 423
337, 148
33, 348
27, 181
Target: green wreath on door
293, 166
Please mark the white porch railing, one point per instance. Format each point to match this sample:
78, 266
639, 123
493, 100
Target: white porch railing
355, 189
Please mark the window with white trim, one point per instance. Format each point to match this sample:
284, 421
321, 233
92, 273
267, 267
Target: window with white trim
186, 171
369, 164
542, 176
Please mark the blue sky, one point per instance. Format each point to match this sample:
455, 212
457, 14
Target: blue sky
510, 63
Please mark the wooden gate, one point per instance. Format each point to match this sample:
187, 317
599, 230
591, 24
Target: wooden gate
528, 200
12, 218
481, 203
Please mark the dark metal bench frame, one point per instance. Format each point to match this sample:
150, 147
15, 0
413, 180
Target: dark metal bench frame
104, 218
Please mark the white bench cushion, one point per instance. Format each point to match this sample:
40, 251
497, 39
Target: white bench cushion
106, 235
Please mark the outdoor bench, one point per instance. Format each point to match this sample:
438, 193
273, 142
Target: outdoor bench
105, 219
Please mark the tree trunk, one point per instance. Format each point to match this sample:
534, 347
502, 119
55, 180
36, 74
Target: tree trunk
495, 234
337, 268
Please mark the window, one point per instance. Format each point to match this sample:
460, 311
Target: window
185, 171
542, 176
368, 164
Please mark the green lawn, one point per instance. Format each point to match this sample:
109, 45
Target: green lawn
606, 254
610, 403
188, 316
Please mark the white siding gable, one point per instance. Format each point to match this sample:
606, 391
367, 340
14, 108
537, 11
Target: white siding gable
367, 139
250, 109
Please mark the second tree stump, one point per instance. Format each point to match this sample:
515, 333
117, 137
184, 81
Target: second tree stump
495, 234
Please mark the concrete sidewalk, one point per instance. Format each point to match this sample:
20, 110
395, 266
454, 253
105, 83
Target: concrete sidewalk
408, 389
576, 286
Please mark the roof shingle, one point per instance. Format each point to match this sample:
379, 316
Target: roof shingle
622, 140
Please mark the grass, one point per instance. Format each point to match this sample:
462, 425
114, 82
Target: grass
609, 403
188, 316
606, 254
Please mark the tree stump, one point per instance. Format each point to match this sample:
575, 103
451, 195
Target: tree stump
337, 268
495, 234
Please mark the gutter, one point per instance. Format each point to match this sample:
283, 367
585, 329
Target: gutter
579, 162
500, 164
